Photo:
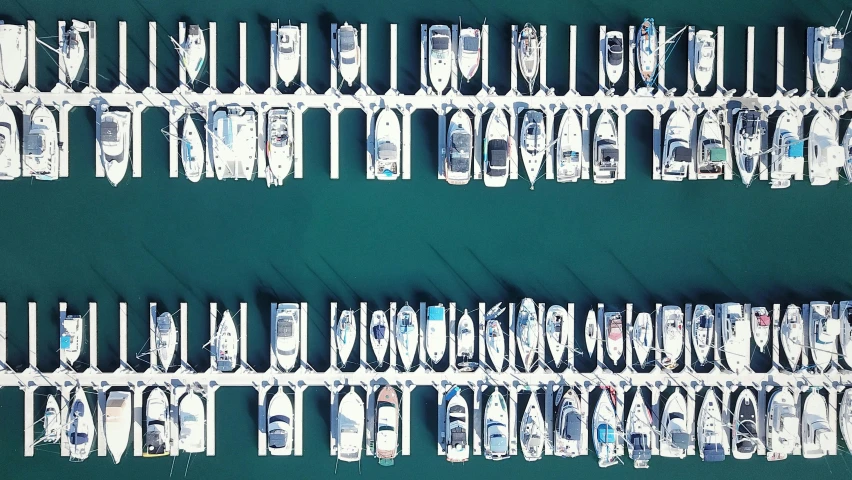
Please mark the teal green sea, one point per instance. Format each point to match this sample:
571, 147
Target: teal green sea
350, 240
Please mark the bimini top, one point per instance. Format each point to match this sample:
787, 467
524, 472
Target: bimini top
387, 151
459, 151
718, 154
440, 42
435, 313
837, 42
109, 132
680, 440
714, 452
615, 47
470, 44
796, 149
751, 120
497, 150
347, 40
640, 447
606, 434
682, 154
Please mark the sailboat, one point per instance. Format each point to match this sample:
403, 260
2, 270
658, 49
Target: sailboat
760, 324
782, 425
345, 335
556, 327
496, 344
435, 339
440, 57
10, 144
407, 333
279, 145
614, 335
72, 50
379, 333
13, 54
51, 423
823, 330
527, 332
114, 142
704, 58
496, 438
79, 427
387, 425
671, 332
639, 431
456, 427
825, 155
279, 424
465, 341
41, 145
793, 335
642, 335
712, 157
232, 143
532, 433
165, 339
606, 155
788, 149
817, 434
191, 150
827, 50
646, 51
192, 52
569, 145
348, 53
703, 329
528, 54
350, 427
499, 150
226, 344
677, 151
709, 429
287, 333
568, 435
459, 149
590, 331
845, 337
157, 425
71, 338
736, 337
674, 432
745, 426
614, 56
748, 142
469, 52
606, 429
191, 423
533, 144
118, 417
845, 415
386, 157
287, 53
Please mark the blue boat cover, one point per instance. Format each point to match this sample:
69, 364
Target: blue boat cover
279, 418
797, 149
65, 342
435, 313
606, 434
379, 332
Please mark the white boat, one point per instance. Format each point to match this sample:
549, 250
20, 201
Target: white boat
677, 150
114, 143
158, 440
79, 427
674, 431
287, 53
782, 425
639, 431
379, 335
386, 156
348, 53
350, 427
285, 338
703, 329
496, 344
606, 429
606, 156
191, 150
528, 54
232, 143
118, 417
847, 149
646, 51
440, 57
709, 429
845, 415
279, 423
748, 143
614, 335
672, 334
818, 436
569, 435
569, 145
456, 428
13, 54
825, 155
191, 422
533, 144
279, 145
745, 426
469, 52
712, 157
760, 325
71, 338
193, 52
532, 434
527, 329
793, 335
499, 150
642, 335
496, 428
590, 332
165, 339
407, 333
51, 423
10, 144
788, 149
556, 327
72, 50
226, 344
435, 339
465, 340
704, 58
345, 334
614, 56
41, 145
459, 156
736, 337
827, 50
387, 425
823, 330
845, 337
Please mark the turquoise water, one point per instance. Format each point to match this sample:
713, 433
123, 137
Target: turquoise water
349, 240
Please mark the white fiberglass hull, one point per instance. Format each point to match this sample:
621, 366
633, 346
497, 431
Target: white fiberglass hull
193, 52
345, 335
440, 57
496, 428
13, 54
704, 58
191, 421
287, 56
825, 155
226, 344
407, 332
532, 433
80, 427
166, 340
118, 418
41, 161
569, 146
642, 335
279, 424
459, 155
279, 145
379, 331
191, 150
527, 331
496, 344
557, 326
818, 436
605, 431
533, 144
10, 144
387, 148
286, 336
469, 52
496, 170
782, 425
590, 332
606, 168
350, 424
73, 52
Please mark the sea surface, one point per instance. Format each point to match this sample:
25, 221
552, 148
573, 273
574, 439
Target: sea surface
350, 240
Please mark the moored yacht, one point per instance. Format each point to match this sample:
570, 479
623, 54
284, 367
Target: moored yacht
760, 325
350, 427
469, 52
639, 431
847, 150
703, 329
118, 417
614, 335
386, 157
79, 427
827, 50
10, 144
287, 53
606, 429
456, 427
286, 336
674, 432
496, 438
191, 150
527, 332
279, 145
407, 333
532, 432
459, 155
646, 51
114, 144
225, 344
533, 144
824, 328
165, 339
387, 425
232, 143
499, 150
348, 53
528, 54
279, 424
465, 342
711, 159
845, 415
845, 337
193, 52
745, 426
13, 54
51, 423
642, 335
736, 337
157, 425
379, 334
435, 340
677, 152
709, 429
496, 344
71, 338
41, 145
72, 50
704, 58
191, 423
818, 435
556, 331
793, 335
825, 155
590, 332
440, 57
614, 55
345, 335
748, 143
569, 145
672, 334
606, 146
569, 435
782, 425
788, 149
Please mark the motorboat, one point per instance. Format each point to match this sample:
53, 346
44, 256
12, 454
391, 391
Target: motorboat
456, 427
407, 333
496, 439
10, 144
606, 429
845, 415
824, 328
388, 135
672, 334
41, 145
710, 429
287, 334
736, 337
528, 54
614, 56
79, 427
226, 344
193, 52
782, 425
279, 424
379, 335
569, 146
614, 335
387, 425
345, 334
499, 150
495, 342
232, 143
703, 330
465, 340
711, 159
845, 337
435, 339
533, 144
72, 51
440, 57
350, 427
639, 431
760, 325
532, 434
287, 53
51, 422
556, 328
745, 426
825, 155
677, 151
191, 150
704, 58
788, 150
279, 145
348, 53
459, 158
158, 440
13, 54
191, 422
590, 332
675, 437
569, 436
71, 338
527, 332
606, 146
748, 143
847, 150
818, 435
646, 51
118, 417
642, 336
827, 50
469, 52
793, 335
165, 339
114, 144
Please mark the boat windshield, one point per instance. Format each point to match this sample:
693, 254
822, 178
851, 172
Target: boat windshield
615, 49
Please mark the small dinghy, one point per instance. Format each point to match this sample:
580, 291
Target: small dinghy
639, 431
646, 51
671, 331
157, 425
286, 336
642, 334
569, 435
436, 333
165, 339
118, 417
350, 427
72, 50
279, 424
760, 325
817, 434
782, 425
407, 333
469, 52
736, 337
709, 429
569, 145
674, 437
532, 433
605, 153
287, 53
614, 56
496, 344
606, 429
793, 335
703, 329
191, 150
496, 439
348, 55
79, 427
465, 341
345, 335
748, 143
556, 331
614, 335
824, 329
279, 145
590, 331
379, 335
51, 422
533, 144
528, 54
745, 426
704, 58
387, 425
191, 423
499, 150
440, 57
193, 52
226, 344
527, 332
456, 429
